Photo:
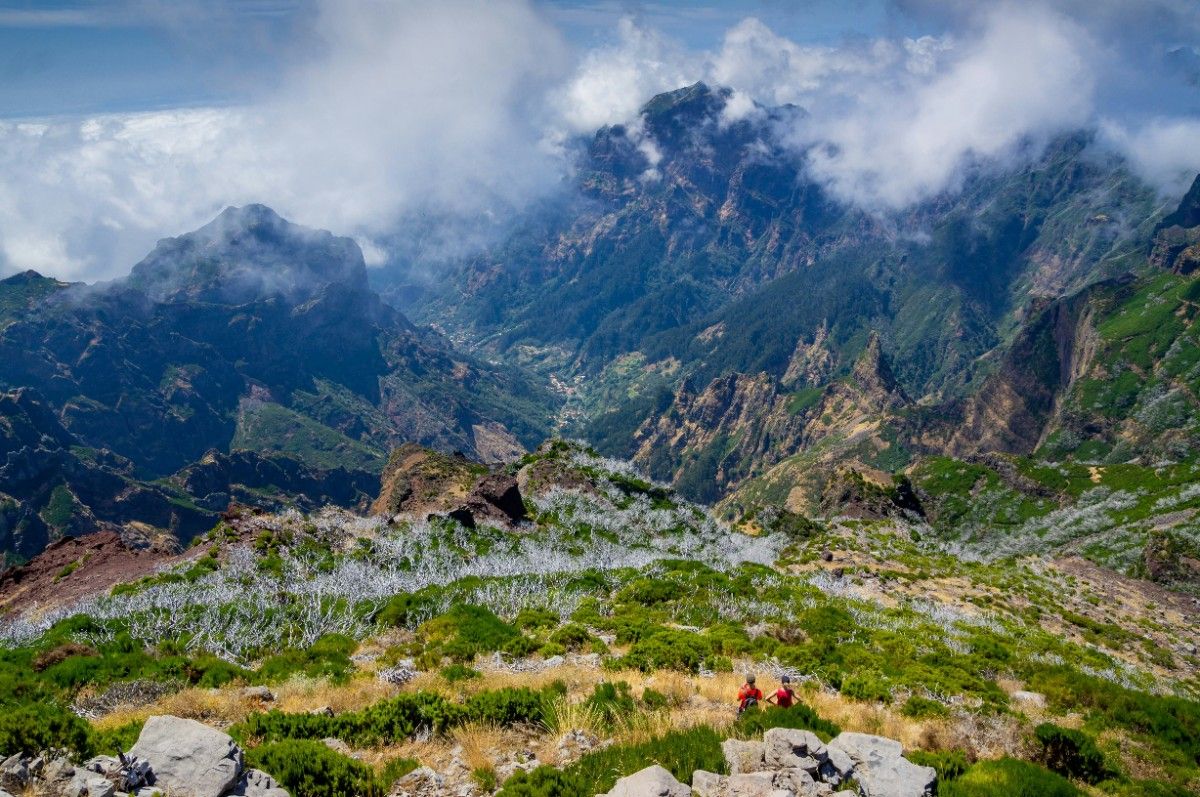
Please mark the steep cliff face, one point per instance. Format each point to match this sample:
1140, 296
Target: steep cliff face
1015, 405
741, 426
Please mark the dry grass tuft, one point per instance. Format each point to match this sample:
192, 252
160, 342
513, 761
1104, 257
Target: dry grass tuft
479, 742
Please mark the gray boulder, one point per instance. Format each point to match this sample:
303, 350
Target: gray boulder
789, 747
743, 756
652, 781
881, 769
189, 758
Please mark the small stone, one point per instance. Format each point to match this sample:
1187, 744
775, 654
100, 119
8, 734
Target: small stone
1032, 699
322, 711
706, 784
336, 745
261, 693
554, 661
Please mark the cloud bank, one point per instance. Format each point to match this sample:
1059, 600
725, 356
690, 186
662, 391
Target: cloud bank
446, 117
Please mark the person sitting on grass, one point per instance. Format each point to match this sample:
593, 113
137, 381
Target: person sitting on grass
785, 697
749, 695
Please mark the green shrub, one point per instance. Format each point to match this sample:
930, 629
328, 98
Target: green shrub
612, 702
546, 781
668, 649
310, 769
654, 700
949, 764
510, 706
571, 636
460, 672
467, 631
753, 724
534, 619
1070, 752
682, 752
1008, 777
329, 657
395, 719
35, 727
123, 737
866, 686
919, 707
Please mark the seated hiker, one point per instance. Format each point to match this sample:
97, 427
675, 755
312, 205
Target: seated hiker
785, 697
749, 695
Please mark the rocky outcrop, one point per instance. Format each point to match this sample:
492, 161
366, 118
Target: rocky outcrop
1012, 409
173, 756
881, 769
1176, 240
709, 441
792, 762
420, 481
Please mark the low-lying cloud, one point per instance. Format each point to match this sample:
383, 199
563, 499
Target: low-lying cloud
446, 117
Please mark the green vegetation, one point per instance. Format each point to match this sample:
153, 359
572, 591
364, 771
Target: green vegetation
396, 719
681, 752
1008, 777
273, 427
311, 769
1070, 753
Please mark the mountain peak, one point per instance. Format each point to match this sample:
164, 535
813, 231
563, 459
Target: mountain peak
873, 369
247, 254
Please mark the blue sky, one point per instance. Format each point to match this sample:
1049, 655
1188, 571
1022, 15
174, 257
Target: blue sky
74, 56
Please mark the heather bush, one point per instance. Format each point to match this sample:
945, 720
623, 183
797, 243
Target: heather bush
753, 724
1070, 752
34, 727
311, 769
1008, 777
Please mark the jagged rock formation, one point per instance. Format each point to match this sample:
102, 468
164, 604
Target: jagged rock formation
743, 426
1176, 242
421, 481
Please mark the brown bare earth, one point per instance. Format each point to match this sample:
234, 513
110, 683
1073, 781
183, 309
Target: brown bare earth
53, 578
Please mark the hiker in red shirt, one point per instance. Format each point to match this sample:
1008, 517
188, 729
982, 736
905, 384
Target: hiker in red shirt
785, 697
749, 695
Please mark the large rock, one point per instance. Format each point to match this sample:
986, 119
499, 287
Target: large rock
748, 784
790, 747
189, 759
881, 769
743, 756
652, 781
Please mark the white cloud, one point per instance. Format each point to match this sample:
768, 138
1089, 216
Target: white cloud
1025, 75
408, 107
1164, 150
613, 81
